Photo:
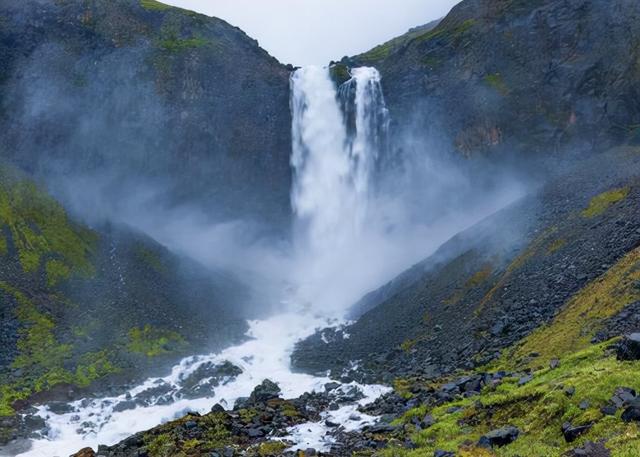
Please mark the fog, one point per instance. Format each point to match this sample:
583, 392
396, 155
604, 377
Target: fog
304, 32
367, 201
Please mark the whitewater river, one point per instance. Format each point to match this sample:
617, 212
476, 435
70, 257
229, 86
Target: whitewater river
265, 355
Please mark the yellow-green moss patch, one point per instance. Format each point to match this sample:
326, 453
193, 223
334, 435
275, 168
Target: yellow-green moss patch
153, 342
600, 203
574, 327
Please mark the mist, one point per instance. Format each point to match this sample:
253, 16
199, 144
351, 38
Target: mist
354, 222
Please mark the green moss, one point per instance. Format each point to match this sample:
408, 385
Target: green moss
40, 228
175, 45
154, 5
403, 387
574, 327
496, 82
538, 409
56, 271
556, 245
447, 33
44, 360
162, 446
151, 258
247, 414
271, 448
408, 345
602, 202
153, 342
3, 244
339, 73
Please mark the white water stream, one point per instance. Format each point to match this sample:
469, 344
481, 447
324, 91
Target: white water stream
333, 166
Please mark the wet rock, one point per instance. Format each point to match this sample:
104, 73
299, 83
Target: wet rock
525, 380
632, 412
623, 396
500, 437
629, 347
440, 453
202, 381
328, 387
58, 407
266, 391
572, 432
589, 450
86, 452
125, 406
609, 410
584, 404
217, 408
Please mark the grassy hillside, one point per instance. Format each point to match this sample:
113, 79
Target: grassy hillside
79, 305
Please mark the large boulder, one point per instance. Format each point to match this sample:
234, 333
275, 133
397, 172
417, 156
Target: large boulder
629, 347
500, 437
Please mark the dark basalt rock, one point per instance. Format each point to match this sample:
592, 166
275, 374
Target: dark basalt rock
572, 432
264, 392
589, 450
629, 347
500, 437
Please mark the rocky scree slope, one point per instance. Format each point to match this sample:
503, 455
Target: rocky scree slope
517, 77
497, 282
85, 310
135, 95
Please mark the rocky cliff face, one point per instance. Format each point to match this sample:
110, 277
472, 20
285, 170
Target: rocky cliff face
136, 96
530, 77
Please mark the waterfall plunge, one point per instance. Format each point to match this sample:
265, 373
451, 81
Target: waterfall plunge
338, 134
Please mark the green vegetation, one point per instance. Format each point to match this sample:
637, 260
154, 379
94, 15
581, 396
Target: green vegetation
271, 448
153, 342
600, 203
166, 440
339, 73
496, 82
556, 245
175, 45
403, 387
538, 409
40, 229
151, 258
476, 280
447, 33
56, 272
43, 359
154, 5
574, 327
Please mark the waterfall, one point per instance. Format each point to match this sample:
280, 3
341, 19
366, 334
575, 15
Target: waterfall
338, 134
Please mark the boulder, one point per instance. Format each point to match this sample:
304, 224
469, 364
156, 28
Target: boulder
589, 450
500, 437
86, 452
264, 392
629, 347
572, 432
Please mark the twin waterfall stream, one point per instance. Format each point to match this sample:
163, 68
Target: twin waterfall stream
338, 135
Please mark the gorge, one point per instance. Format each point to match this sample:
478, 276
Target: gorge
430, 248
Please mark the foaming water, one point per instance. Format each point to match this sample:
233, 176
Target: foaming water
265, 355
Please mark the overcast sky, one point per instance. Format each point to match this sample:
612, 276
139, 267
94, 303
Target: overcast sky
305, 32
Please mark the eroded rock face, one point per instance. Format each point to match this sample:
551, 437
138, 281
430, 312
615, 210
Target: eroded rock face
181, 104
517, 77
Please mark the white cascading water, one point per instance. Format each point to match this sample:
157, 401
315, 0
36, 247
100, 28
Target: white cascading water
338, 135
334, 159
